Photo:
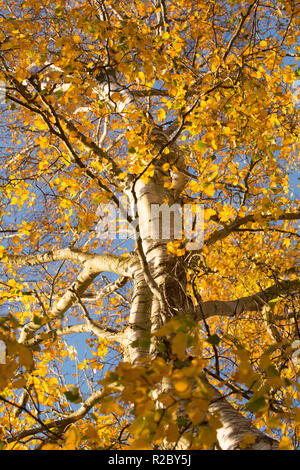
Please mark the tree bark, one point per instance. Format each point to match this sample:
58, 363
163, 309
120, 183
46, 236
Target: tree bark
160, 279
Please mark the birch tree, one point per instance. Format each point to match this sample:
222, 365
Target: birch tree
157, 113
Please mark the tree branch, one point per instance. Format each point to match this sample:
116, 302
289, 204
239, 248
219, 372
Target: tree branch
61, 424
228, 229
96, 262
250, 303
93, 266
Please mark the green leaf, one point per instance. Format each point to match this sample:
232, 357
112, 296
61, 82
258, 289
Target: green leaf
59, 93
3, 320
96, 201
272, 371
181, 421
256, 404
58, 10
161, 347
73, 395
213, 340
179, 364
200, 146
37, 320
144, 342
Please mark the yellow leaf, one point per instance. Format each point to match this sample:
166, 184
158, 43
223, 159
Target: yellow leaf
247, 440
115, 96
140, 444
40, 124
161, 114
196, 415
207, 437
172, 433
194, 186
20, 383
72, 438
110, 406
297, 415
182, 385
91, 433
179, 343
226, 131
14, 201
50, 447
165, 35
274, 422
208, 213
285, 444
175, 248
209, 189
141, 76
226, 213
25, 356
42, 141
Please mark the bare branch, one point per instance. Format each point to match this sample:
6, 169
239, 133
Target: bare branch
250, 303
61, 424
228, 229
96, 262
238, 30
107, 333
68, 330
93, 266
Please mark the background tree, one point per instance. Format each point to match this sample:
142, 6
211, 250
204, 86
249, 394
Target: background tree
113, 344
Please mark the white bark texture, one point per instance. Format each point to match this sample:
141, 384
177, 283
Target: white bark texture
159, 281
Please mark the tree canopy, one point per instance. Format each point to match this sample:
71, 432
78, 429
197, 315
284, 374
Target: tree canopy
149, 342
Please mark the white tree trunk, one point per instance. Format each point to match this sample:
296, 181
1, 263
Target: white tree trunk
159, 279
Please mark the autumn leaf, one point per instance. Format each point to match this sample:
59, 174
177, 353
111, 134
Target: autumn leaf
285, 444
72, 438
111, 336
